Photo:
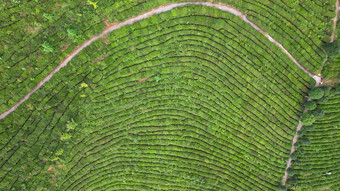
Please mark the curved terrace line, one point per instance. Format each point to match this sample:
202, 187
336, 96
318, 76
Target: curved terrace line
158, 10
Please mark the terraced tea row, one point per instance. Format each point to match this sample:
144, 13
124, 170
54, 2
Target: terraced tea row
318, 163
188, 99
60, 26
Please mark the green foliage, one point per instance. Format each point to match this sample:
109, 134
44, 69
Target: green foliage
302, 151
219, 96
308, 128
322, 100
332, 48
290, 171
282, 188
310, 105
300, 133
326, 89
72, 33
65, 136
292, 181
296, 145
316, 93
307, 118
304, 140
47, 47
318, 113
71, 125
337, 88
293, 156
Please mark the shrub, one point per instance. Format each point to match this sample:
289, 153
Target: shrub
316, 93
310, 105
308, 128
47, 47
304, 140
331, 48
71, 32
337, 88
292, 181
282, 188
300, 133
290, 171
293, 156
326, 89
302, 151
322, 100
318, 113
296, 145
307, 119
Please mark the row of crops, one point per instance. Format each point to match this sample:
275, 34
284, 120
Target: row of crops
189, 99
37, 35
317, 163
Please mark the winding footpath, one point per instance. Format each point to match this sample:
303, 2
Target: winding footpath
158, 10
335, 20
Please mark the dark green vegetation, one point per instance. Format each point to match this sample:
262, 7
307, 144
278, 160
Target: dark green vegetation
318, 164
192, 99
37, 35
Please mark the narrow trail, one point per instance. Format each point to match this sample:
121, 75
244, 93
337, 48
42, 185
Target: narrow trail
158, 10
335, 20
298, 128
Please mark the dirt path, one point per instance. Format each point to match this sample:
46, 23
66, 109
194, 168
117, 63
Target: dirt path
158, 10
292, 150
335, 20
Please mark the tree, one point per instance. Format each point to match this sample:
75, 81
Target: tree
293, 156
290, 171
310, 105
282, 188
292, 181
337, 88
296, 145
316, 93
332, 48
307, 118
322, 100
47, 47
300, 133
318, 113
302, 151
304, 140
326, 89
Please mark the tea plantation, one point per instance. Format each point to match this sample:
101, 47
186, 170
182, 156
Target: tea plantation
186, 95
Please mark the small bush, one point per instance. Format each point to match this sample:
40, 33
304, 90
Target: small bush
322, 100
304, 140
292, 181
308, 128
307, 118
337, 88
326, 89
47, 47
282, 188
310, 105
302, 151
290, 171
316, 93
318, 113
293, 156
